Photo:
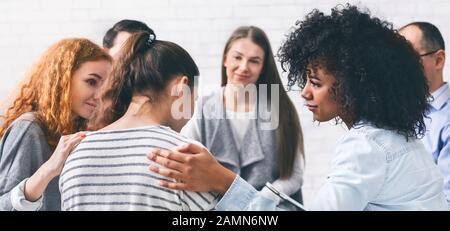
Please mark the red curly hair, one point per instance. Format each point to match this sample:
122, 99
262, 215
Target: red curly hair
46, 88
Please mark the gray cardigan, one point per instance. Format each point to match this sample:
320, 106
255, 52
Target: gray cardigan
256, 162
23, 149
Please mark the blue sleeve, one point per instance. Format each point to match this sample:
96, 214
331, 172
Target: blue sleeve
241, 196
443, 161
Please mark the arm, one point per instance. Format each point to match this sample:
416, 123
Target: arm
22, 156
199, 171
443, 161
22, 152
195, 171
38, 182
242, 196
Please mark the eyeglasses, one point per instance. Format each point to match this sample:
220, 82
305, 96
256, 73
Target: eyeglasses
429, 53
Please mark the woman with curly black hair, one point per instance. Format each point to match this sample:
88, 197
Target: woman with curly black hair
354, 67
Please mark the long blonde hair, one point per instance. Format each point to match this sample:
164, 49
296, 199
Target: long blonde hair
145, 69
46, 89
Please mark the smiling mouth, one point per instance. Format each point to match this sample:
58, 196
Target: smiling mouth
242, 76
91, 105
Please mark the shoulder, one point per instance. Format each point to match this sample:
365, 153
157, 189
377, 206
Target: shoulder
182, 139
361, 137
366, 141
25, 125
24, 136
373, 142
212, 95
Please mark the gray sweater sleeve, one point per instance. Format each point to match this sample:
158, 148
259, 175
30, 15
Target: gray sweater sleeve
23, 149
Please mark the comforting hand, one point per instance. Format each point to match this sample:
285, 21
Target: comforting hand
38, 182
65, 145
194, 168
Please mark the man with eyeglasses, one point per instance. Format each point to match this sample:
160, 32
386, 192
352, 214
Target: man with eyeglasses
428, 42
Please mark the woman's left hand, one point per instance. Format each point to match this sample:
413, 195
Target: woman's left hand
194, 168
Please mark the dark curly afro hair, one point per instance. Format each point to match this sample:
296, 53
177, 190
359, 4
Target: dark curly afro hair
379, 77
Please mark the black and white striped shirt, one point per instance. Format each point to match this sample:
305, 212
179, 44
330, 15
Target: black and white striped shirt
108, 170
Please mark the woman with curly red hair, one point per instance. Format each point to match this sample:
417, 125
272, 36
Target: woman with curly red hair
55, 100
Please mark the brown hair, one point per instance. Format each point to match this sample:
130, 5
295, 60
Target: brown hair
145, 67
126, 25
46, 89
289, 133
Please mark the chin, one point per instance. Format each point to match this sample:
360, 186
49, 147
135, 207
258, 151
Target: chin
85, 115
320, 119
237, 83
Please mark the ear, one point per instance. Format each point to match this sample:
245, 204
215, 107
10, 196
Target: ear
440, 60
180, 83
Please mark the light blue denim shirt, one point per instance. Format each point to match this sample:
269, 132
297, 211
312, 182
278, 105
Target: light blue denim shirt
437, 137
373, 169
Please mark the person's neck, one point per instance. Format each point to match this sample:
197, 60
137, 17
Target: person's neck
235, 102
435, 84
141, 113
347, 121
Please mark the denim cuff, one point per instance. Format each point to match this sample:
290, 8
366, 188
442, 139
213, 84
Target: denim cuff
238, 196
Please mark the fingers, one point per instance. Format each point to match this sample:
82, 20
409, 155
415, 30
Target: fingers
166, 172
73, 141
173, 185
189, 148
171, 155
64, 139
168, 163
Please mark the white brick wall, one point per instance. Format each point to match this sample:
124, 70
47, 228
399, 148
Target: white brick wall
27, 27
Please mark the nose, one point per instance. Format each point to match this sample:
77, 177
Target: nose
243, 65
306, 93
96, 96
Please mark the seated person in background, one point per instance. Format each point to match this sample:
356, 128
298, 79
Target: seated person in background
116, 36
428, 42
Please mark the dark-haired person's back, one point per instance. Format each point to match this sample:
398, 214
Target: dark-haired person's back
109, 171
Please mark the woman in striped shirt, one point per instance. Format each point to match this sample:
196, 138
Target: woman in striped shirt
146, 102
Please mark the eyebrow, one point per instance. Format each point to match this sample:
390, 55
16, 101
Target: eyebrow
313, 76
96, 76
254, 57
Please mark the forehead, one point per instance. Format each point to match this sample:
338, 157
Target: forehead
246, 47
121, 37
319, 72
100, 67
414, 35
